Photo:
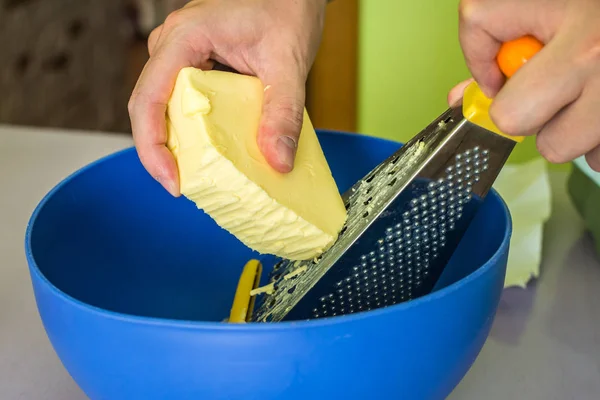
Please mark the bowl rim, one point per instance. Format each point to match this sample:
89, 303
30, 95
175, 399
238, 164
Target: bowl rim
251, 327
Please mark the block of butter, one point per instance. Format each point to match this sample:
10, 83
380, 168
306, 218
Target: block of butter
212, 125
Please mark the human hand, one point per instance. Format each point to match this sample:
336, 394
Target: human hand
275, 40
556, 95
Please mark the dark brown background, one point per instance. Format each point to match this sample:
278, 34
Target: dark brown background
73, 63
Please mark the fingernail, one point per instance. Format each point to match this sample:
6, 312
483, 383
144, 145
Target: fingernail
168, 184
286, 150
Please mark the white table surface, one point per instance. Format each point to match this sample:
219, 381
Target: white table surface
544, 345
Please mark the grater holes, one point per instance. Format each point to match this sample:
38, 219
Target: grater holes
399, 264
276, 277
277, 266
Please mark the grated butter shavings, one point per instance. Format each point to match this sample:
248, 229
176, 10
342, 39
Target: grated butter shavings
295, 273
268, 289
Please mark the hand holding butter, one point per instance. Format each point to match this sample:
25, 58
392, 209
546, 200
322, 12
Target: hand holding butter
275, 40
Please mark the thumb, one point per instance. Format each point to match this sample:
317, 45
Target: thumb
456, 94
282, 117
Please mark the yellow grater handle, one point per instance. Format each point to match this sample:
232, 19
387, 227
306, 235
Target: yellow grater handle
512, 56
243, 302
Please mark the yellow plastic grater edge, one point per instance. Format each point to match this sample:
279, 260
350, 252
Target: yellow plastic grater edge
476, 109
243, 302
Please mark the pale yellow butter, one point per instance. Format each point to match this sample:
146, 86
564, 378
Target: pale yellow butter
212, 125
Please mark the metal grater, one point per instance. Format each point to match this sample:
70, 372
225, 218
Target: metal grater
399, 268
405, 219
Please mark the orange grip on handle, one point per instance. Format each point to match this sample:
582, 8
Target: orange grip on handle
515, 53
511, 56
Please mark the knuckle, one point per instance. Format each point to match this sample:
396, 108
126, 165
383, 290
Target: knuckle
290, 111
175, 19
550, 151
153, 38
155, 32
590, 56
132, 104
136, 102
471, 11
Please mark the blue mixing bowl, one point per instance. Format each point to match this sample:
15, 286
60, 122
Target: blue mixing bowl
132, 285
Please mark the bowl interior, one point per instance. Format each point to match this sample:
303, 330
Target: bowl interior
111, 237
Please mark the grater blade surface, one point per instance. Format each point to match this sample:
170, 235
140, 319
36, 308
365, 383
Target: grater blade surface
405, 219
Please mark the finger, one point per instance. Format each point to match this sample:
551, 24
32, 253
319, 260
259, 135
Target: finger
593, 159
153, 39
480, 49
282, 117
483, 28
456, 94
539, 90
574, 131
147, 108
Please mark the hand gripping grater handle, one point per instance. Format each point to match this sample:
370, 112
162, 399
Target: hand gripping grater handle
452, 162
